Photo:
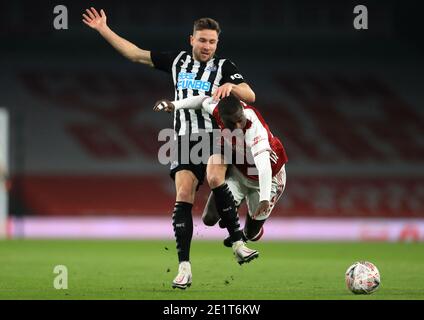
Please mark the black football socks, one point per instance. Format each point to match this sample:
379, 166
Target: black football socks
227, 210
182, 221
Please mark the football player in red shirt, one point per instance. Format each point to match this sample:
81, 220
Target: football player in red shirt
260, 181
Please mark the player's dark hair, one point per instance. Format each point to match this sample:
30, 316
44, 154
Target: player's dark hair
228, 106
206, 24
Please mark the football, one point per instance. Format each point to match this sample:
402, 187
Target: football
362, 277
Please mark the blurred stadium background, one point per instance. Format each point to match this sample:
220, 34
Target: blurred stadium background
347, 104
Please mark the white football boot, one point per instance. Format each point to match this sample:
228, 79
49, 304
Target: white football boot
242, 253
183, 278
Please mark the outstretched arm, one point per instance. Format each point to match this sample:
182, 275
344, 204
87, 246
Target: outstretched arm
129, 50
196, 102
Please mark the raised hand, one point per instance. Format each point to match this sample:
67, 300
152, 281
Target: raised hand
164, 105
93, 19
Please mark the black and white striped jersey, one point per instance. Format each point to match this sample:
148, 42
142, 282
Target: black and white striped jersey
193, 78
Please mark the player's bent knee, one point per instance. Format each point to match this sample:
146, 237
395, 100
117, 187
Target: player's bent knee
215, 180
185, 194
185, 186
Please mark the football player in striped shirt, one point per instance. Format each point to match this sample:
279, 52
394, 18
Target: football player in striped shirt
259, 179
194, 72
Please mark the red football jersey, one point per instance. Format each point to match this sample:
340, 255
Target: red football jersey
257, 138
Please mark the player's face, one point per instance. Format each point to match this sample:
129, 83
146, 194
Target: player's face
235, 121
204, 43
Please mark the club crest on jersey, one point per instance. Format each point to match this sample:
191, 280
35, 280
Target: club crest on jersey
187, 81
211, 68
257, 139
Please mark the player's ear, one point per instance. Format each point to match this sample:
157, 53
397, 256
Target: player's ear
191, 39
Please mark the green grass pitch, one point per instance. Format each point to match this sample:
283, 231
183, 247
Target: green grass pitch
124, 269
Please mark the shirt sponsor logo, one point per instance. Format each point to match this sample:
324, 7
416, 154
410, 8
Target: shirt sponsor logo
187, 81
